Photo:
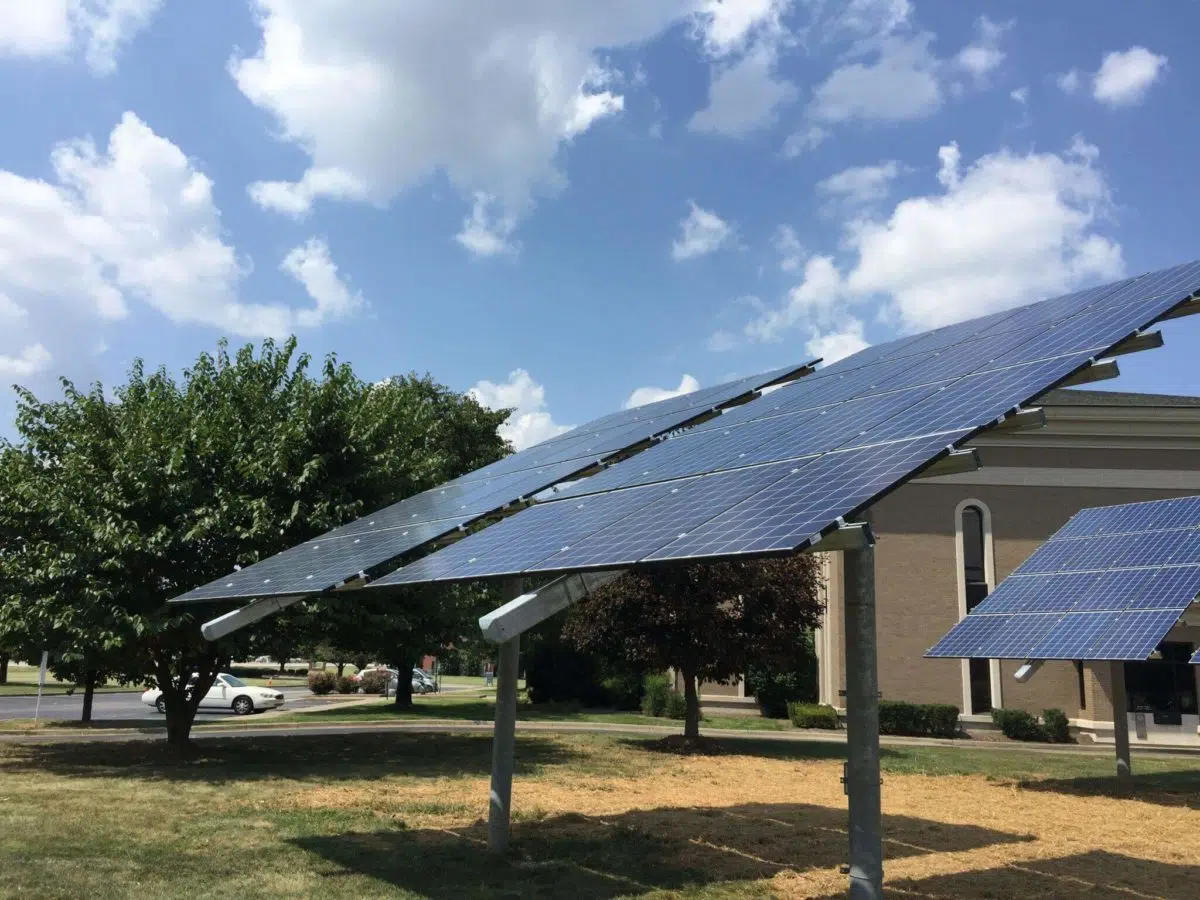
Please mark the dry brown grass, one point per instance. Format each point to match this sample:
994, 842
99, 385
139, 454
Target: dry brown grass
738, 817
595, 817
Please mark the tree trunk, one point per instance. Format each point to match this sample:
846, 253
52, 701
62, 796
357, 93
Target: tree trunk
282, 666
340, 666
3, 668
404, 688
181, 708
89, 693
691, 721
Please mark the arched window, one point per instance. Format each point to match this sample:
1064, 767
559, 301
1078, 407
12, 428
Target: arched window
974, 567
974, 528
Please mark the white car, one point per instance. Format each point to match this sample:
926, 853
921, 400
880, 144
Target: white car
227, 692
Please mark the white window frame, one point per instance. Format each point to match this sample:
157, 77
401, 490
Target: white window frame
989, 574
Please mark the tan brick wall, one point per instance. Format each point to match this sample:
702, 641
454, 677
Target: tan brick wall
917, 575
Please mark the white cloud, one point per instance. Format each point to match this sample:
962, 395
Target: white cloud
787, 244
866, 19
134, 221
728, 26
901, 83
1020, 95
816, 301
983, 55
295, 198
530, 422
744, 97
388, 94
484, 234
701, 232
830, 346
860, 185
807, 138
56, 28
30, 361
1126, 76
643, 395
1008, 229
1068, 82
311, 265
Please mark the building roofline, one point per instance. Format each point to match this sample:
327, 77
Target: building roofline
1072, 397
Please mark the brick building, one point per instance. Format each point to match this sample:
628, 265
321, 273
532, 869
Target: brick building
944, 543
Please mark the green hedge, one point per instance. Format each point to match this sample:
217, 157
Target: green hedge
265, 671
344, 684
374, 682
676, 705
1057, 726
812, 715
774, 687
918, 719
1019, 725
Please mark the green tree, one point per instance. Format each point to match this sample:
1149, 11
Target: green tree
707, 621
115, 503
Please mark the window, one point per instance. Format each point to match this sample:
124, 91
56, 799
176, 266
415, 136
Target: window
1164, 687
975, 582
1079, 679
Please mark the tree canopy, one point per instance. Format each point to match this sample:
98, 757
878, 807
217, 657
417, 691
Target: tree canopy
707, 621
113, 502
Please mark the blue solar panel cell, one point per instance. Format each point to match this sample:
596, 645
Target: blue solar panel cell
320, 564
792, 510
1020, 634
511, 546
1135, 634
1061, 592
967, 637
692, 503
1073, 636
1053, 556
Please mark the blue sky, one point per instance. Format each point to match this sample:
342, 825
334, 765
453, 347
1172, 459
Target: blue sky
566, 205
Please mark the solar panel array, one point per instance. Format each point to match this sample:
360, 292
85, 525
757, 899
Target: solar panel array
1109, 585
384, 536
775, 474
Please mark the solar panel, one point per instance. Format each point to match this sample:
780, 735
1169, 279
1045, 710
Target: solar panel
1108, 585
861, 427
385, 536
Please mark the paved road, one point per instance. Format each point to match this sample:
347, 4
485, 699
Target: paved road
121, 706
127, 706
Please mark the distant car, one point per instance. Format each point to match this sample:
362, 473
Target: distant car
358, 676
227, 692
422, 682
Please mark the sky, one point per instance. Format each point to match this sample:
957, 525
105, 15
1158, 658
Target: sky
567, 207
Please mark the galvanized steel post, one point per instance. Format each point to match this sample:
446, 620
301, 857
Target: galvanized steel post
504, 737
862, 726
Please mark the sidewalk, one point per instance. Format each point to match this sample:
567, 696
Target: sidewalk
435, 726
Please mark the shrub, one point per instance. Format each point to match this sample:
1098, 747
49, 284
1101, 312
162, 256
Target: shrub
918, 719
1057, 726
812, 715
676, 705
556, 673
773, 687
321, 682
345, 685
942, 719
374, 682
623, 691
656, 691
1018, 725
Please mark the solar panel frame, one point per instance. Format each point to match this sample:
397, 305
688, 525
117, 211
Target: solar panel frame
462, 501
1108, 578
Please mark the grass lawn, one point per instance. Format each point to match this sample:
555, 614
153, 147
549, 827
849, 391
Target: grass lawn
26, 685
482, 708
595, 816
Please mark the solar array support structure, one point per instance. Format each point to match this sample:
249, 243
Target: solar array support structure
777, 475
1107, 587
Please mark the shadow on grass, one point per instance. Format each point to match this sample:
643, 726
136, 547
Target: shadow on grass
1086, 875
634, 853
1179, 788
295, 757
